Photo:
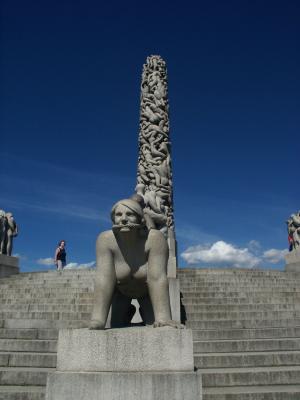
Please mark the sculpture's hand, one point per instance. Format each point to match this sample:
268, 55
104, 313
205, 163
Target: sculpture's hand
96, 325
171, 323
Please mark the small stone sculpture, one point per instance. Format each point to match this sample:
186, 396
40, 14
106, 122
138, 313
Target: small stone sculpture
293, 226
131, 263
8, 230
154, 178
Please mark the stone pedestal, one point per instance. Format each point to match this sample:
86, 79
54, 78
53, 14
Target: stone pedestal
125, 364
8, 265
293, 260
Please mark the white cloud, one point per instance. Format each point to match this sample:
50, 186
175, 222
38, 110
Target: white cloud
274, 256
45, 261
74, 265
221, 254
20, 256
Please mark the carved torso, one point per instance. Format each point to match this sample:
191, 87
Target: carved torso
131, 266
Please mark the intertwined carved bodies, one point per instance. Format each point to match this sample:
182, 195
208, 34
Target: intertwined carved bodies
132, 261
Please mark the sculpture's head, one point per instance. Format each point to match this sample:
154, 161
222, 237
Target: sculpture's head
2, 213
126, 215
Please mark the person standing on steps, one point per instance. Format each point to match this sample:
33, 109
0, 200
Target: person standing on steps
60, 256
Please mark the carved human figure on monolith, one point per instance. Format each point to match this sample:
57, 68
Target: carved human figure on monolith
154, 177
131, 263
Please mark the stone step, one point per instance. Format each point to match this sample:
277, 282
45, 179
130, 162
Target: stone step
272, 392
45, 315
191, 308
45, 334
194, 300
23, 323
28, 345
247, 359
22, 393
86, 292
226, 346
56, 301
195, 316
68, 286
26, 359
184, 284
240, 294
216, 377
62, 307
232, 286
240, 278
238, 283
51, 274
47, 307
205, 316
263, 333
243, 323
56, 277
191, 272
24, 376
47, 291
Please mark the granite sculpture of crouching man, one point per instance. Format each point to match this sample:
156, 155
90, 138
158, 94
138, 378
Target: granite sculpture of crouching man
131, 263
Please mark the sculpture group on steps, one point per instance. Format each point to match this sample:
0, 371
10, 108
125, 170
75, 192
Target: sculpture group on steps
8, 230
293, 226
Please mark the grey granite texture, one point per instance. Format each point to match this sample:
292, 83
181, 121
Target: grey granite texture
154, 178
8, 265
293, 226
8, 230
292, 260
122, 350
124, 386
131, 264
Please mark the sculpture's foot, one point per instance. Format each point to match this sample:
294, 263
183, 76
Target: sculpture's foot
96, 325
171, 323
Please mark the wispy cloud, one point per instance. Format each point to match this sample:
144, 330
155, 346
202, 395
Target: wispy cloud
45, 261
192, 233
20, 256
74, 265
65, 210
49, 188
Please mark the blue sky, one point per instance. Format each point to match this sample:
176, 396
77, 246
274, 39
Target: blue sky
70, 86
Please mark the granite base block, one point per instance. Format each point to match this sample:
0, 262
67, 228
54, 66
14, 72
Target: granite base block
293, 261
124, 386
126, 349
9, 265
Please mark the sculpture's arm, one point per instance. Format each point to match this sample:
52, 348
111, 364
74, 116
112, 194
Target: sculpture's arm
105, 281
157, 276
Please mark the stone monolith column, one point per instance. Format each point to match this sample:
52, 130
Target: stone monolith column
154, 176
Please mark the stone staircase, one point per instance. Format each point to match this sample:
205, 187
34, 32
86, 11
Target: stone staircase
246, 328
33, 307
